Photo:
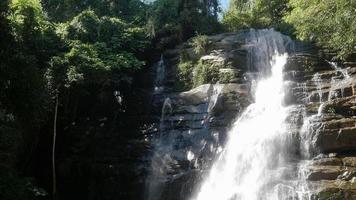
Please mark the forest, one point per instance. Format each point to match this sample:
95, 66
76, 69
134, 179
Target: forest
76, 78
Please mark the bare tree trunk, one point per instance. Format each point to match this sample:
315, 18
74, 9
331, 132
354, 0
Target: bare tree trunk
54, 190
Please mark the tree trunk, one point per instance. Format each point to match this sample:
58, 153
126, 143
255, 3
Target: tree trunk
54, 190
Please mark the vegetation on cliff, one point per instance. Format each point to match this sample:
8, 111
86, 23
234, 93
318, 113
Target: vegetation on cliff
82, 53
331, 24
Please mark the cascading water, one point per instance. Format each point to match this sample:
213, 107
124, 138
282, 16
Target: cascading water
160, 76
159, 159
269, 152
253, 161
312, 125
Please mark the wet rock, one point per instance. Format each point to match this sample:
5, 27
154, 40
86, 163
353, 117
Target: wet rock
306, 62
337, 140
320, 172
349, 161
181, 185
333, 161
344, 106
336, 190
340, 123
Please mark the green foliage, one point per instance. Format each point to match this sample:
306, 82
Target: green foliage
164, 12
87, 27
226, 76
24, 34
173, 21
100, 50
205, 73
191, 74
84, 27
200, 44
198, 16
28, 20
128, 10
331, 24
83, 56
255, 14
91, 64
184, 75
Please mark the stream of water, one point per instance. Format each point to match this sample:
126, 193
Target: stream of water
258, 159
252, 162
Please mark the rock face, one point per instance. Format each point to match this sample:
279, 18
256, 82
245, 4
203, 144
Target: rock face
192, 129
191, 126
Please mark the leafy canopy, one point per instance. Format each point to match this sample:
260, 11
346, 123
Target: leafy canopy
255, 14
331, 24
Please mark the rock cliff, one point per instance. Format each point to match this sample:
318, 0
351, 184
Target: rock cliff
191, 126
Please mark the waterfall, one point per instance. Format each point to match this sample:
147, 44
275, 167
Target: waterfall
160, 76
318, 83
160, 159
254, 158
166, 110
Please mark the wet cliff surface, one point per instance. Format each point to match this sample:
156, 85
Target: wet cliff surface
191, 126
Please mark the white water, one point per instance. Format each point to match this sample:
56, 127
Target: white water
312, 125
318, 83
166, 110
160, 76
252, 162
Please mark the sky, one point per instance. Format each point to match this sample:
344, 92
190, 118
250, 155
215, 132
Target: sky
224, 4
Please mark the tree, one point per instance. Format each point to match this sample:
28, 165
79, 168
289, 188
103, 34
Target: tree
128, 10
255, 14
24, 100
172, 21
331, 24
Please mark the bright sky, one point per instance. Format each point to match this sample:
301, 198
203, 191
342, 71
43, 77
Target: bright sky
224, 4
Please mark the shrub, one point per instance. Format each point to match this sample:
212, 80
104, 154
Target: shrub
330, 23
200, 44
205, 73
184, 74
190, 74
226, 76
255, 14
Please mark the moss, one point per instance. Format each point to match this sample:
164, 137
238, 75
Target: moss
335, 194
226, 76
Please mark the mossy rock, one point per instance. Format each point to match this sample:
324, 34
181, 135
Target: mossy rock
205, 73
227, 75
184, 75
336, 194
